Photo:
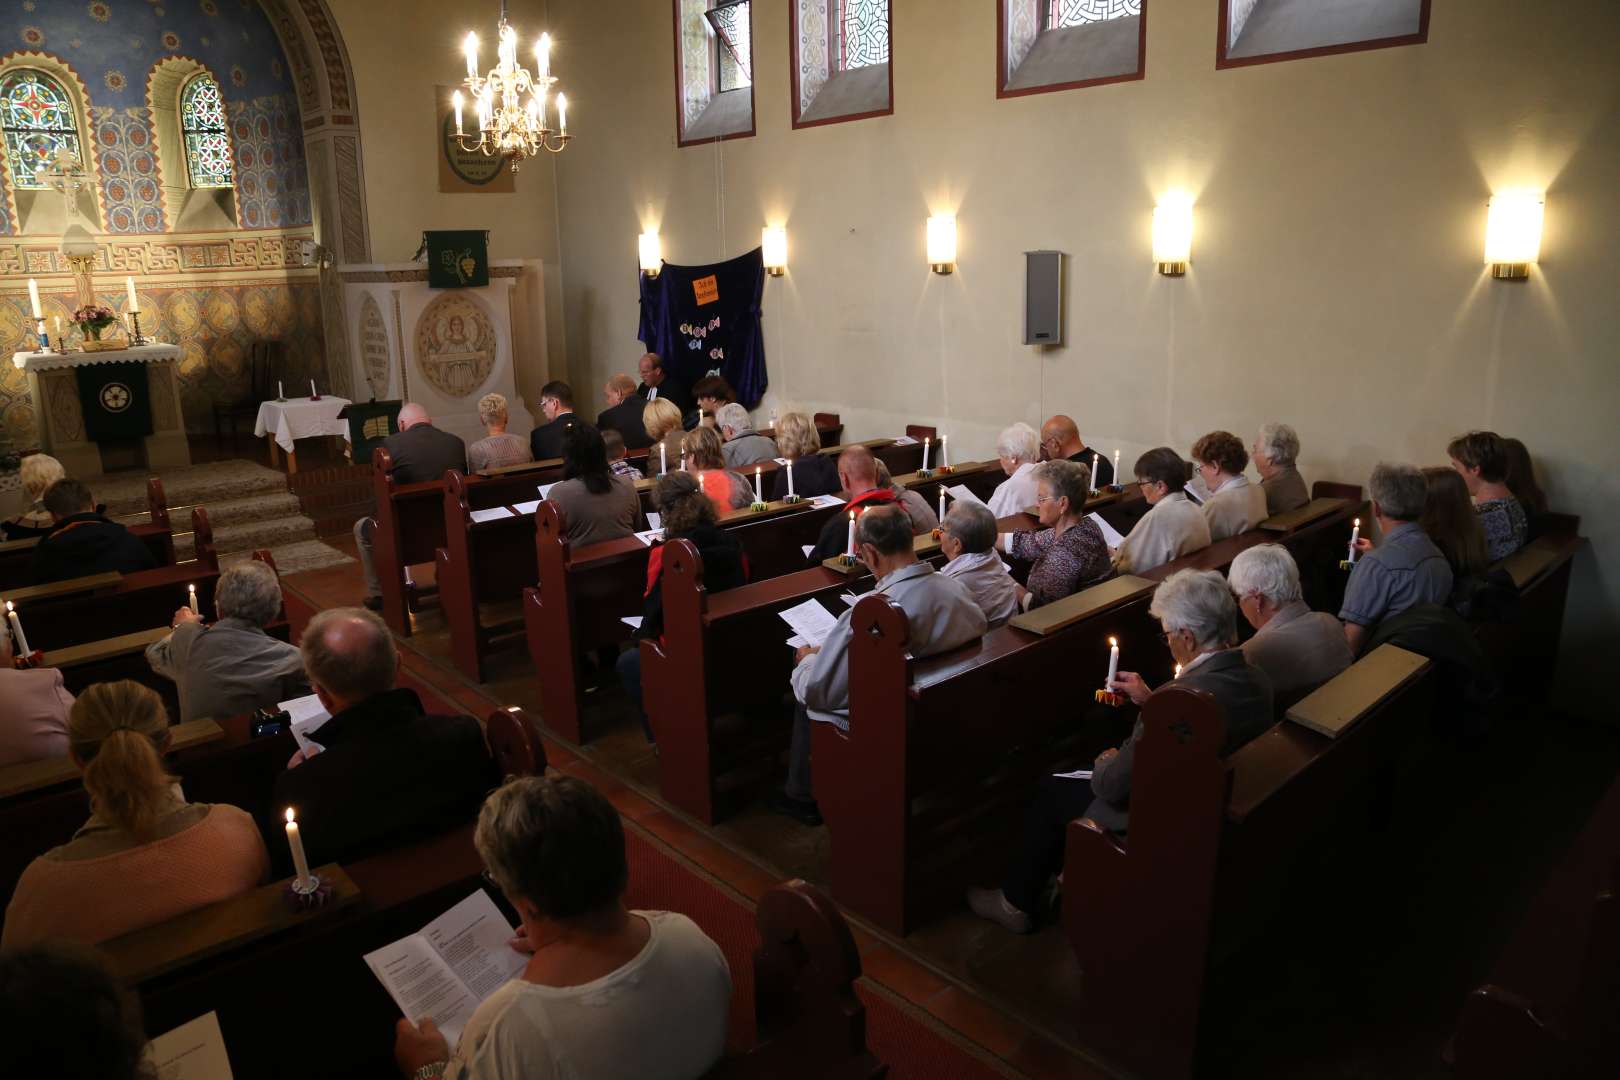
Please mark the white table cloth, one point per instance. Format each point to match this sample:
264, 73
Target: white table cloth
301, 418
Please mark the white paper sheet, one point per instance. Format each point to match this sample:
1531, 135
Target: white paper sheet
457, 961
961, 494
782, 461
849, 598
192, 1051
1078, 774
307, 715
796, 642
1110, 534
494, 513
632, 621
655, 521
649, 536
826, 500
905, 440
807, 549
810, 621
526, 508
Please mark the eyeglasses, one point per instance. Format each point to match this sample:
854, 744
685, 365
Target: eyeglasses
1047, 498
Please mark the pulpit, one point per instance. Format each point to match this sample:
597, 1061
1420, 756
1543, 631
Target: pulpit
64, 433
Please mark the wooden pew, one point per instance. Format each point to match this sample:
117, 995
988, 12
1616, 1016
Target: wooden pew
1551, 1005
1208, 836
155, 533
896, 788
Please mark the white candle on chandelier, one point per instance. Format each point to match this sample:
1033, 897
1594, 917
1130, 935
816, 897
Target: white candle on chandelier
542, 55
562, 114
537, 112
33, 297
455, 101
470, 48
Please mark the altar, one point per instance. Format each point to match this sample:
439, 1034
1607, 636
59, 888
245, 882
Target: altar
64, 432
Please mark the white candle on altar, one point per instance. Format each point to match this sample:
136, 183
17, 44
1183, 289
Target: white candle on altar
1113, 662
944, 455
33, 297
314, 393
296, 842
17, 634
663, 460
942, 496
1355, 534
191, 599
129, 287
1094, 484
927, 442
280, 393
759, 492
790, 479
59, 328
850, 547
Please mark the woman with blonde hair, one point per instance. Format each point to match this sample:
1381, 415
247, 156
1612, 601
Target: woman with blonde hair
143, 845
814, 473
705, 459
498, 448
662, 419
38, 472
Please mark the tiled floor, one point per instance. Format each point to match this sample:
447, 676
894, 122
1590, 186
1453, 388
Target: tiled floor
1392, 945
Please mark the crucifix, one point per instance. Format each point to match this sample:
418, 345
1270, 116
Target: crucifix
66, 176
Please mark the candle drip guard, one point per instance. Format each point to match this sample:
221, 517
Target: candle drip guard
307, 894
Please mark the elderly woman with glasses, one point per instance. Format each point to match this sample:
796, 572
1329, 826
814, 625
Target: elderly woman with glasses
606, 991
1070, 552
967, 536
1199, 620
1173, 526
1234, 505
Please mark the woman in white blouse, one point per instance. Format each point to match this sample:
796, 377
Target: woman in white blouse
1234, 505
1173, 528
1019, 449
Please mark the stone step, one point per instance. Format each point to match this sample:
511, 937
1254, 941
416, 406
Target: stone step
231, 511
251, 535
125, 494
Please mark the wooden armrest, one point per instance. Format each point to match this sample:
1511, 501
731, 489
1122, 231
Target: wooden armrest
1293, 519
963, 468
1082, 605
520, 467
107, 648
1344, 699
33, 775
89, 583
196, 935
925, 544
1531, 562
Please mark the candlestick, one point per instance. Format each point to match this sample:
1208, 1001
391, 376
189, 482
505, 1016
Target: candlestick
17, 631
1113, 662
849, 550
942, 501
281, 395
927, 442
191, 599
129, 287
301, 872
759, 492
33, 298
790, 481
136, 337
58, 328
663, 460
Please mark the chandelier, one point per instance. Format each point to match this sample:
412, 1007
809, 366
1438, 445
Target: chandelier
508, 125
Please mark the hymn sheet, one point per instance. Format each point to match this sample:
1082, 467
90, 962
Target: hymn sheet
192, 1051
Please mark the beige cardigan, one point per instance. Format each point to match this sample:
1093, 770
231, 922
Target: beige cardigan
1173, 528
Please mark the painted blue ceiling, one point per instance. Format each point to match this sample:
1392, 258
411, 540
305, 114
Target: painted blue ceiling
112, 44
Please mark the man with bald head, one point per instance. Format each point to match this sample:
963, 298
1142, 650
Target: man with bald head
386, 772
1060, 439
420, 452
858, 473
656, 383
623, 413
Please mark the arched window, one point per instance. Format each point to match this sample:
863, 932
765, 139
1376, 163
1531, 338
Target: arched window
202, 120
37, 120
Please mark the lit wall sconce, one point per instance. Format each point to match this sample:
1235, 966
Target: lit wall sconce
652, 253
773, 242
1513, 233
1172, 235
942, 244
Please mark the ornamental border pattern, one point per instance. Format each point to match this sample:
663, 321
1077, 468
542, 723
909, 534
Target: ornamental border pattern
38, 255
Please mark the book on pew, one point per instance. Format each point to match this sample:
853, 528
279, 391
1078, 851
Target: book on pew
494, 513
192, 1051
905, 440
826, 500
447, 969
1111, 535
305, 716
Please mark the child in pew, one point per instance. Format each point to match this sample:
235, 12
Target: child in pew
67, 1017
607, 992
34, 708
617, 464
158, 855
1199, 619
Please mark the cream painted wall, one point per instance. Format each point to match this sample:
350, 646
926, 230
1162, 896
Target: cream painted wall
1336, 283
401, 50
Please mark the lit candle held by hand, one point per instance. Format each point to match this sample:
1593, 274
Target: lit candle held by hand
1355, 535
191, 600
1113, 662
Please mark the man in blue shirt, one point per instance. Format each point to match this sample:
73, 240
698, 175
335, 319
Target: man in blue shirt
1406, 569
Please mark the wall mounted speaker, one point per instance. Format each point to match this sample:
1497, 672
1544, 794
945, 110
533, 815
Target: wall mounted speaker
1043, 298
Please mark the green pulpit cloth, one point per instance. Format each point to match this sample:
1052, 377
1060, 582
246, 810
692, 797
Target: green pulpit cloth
115, 400
370, 422
457, 258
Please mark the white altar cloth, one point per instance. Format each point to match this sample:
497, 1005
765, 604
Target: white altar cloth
301, 418
152, 352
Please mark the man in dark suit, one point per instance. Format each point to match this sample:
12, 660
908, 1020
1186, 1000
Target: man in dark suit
387, 772
81, 541
557, 403
623, 413
656, 384
421, 452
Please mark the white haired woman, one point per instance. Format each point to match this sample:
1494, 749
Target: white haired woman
1019, 449
607, 991
1199, 619
497, 448
1298, 649
1275, 450
37, 473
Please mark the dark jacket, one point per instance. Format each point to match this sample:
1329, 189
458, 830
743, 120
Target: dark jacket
625, 418
670, 391
724, 567
389, 774
1468, 684
1240, 688
1105, 468
546, 441
813, 474
423, 453
834, 539
87, 544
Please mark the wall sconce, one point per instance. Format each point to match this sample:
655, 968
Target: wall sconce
773, 242
652, 253
942, 244
1172, 235
1513, 233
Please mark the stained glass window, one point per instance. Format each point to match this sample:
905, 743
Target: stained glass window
863, 33
202, 119
36, 117
1080, 12
734, 42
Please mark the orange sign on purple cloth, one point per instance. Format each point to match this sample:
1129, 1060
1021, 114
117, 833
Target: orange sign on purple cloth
707, 290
